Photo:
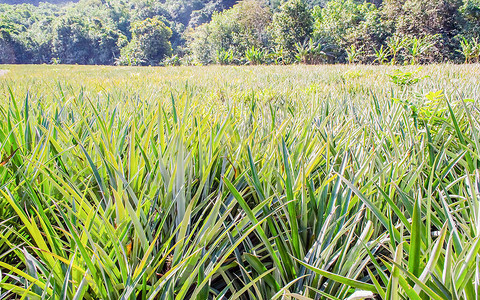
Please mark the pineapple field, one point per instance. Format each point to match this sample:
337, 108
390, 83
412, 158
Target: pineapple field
240, 182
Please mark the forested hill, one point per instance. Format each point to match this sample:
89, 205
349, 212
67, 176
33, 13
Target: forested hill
150, 32
198, 5
178, 11
93, 31
36, 2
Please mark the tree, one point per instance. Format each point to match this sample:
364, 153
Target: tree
7, 52
85, 41
470, 12
102, 32
422, 18
293, 24
349, 25
232, 32
71, 43
107, 42
150, 43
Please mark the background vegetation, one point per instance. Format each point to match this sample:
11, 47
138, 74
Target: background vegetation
266, 182
173, 32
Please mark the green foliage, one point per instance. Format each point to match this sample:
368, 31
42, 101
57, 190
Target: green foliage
419, 47
71, 41
353, 54
381, 55
292, 25
37, 2
279, 56
98, 29
404, 79
225, 57
312, 52
99, 32
76, 41
396, 44
150, 43
344, 23
260, 182
234, 31
471, 10
256, 56
173, 60
7, 48
131, 55
470, 49
420, 19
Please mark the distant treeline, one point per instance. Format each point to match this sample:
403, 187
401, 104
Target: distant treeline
99, 31
172, 32
37, 2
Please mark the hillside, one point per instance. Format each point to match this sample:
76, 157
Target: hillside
146, 32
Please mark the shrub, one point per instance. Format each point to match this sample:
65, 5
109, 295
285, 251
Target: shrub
470, 49
225, 57
381, 55
312, 52
419, 48
256, 56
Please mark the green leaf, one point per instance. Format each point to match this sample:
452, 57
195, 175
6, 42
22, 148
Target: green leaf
340, 279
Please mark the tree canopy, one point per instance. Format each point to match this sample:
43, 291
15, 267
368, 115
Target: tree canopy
144, 32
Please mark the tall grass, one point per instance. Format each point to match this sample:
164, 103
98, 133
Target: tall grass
239, 182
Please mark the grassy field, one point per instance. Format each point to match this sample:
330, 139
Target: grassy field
268, 182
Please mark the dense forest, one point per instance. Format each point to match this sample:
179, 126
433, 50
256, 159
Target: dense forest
37, 2
173, 32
